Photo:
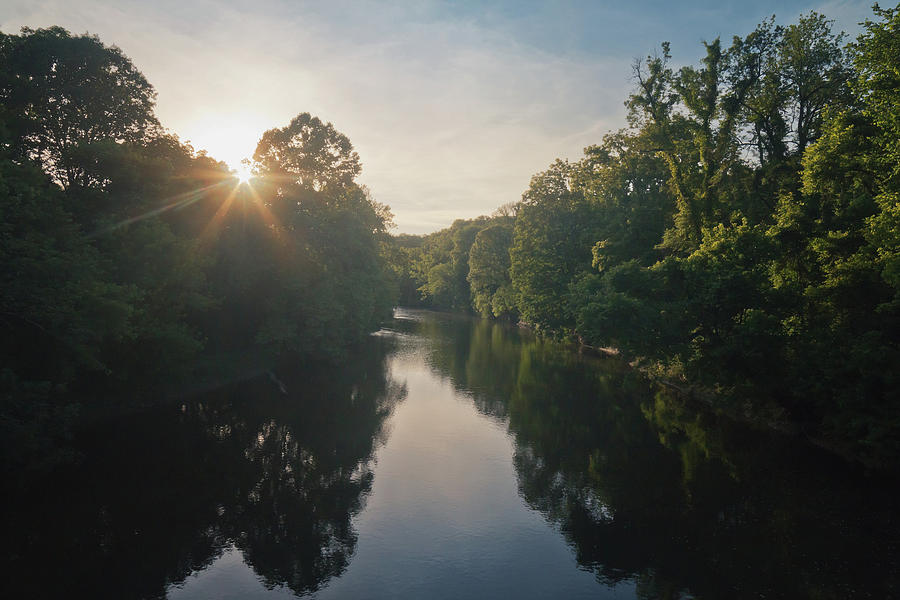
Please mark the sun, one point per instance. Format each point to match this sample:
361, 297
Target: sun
243, 174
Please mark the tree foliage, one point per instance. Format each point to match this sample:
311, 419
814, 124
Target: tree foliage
743, 229
488, 277
309, 153
63, 94
128, 257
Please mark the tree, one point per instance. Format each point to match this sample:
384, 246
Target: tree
813, 65
851, 187
697, 143
790, 75
626, 183
65, 93
309, 153
489, 270
317, 235
57, 311
130, 251
556, 227
441, 265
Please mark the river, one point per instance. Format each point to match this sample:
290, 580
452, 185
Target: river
450, 458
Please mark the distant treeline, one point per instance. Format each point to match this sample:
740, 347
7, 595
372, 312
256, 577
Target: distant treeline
741, 235
125, 255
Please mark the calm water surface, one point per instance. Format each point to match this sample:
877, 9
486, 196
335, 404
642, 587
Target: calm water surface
451, 458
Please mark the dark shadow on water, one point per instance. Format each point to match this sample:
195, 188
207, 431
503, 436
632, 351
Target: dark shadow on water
164, 492
678, 502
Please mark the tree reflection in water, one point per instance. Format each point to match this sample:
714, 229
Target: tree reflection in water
648, 488
164, 493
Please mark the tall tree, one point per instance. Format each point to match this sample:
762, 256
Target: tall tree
555, 229
814, 68
328, 284
309, 153
697, 143
64, 93
489, 270
791, 75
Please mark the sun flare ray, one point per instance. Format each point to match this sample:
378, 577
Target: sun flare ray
222, 211
265, 212
178, 201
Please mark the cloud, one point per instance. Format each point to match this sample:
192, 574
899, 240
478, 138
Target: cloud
451, 118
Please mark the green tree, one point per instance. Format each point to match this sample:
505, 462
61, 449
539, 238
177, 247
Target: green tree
64, 93
626, 184
489, 270
698, 143
325, 283
441, 266
307, 152
57, 311
555, 230
851, 196
131, 250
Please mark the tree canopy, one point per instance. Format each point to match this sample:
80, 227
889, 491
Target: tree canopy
129, 257
63, 94
309, 153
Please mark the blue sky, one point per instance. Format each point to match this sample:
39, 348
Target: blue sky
452, 106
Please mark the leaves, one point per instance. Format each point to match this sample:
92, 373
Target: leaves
309, 153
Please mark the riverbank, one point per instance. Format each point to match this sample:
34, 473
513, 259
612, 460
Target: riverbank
759, 413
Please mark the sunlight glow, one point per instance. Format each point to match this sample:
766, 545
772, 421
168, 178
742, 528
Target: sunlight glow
243, 173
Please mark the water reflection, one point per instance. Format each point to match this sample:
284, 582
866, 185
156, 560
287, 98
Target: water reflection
654, 498
278, 476
647, 489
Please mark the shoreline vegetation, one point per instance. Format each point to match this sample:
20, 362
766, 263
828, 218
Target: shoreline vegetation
739, 238
738, 241
707, 400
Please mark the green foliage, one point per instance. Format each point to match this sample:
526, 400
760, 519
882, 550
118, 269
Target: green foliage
554, 233
463, 268
437, 265
696, 143
744, 231
627, 186
309, 153
56, 308
62, 93
489, 270
126, 254
851, 178
318, 235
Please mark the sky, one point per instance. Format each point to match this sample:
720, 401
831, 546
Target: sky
452, 106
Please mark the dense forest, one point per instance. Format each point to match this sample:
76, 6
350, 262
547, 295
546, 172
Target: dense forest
739, 239
128, 258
